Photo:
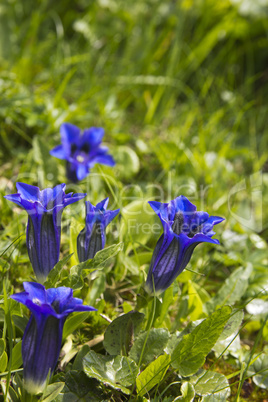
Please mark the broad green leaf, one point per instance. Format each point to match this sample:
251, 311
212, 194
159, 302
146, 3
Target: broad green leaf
188, 393
16, 356
233, 288
13, 395
20, 322
52, 391
176, 338
214, 398
156, 342
211, 383
54, 274
3, 362
100, 258
189, 355
118, 372
232, 324
152, 375
228, 336
73, 322
119, 335
80, 271
79, 388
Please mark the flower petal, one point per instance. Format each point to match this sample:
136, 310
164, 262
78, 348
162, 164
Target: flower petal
28, 192
35, 291
93, 136
59, 152
81, 171
102, 205
70, 134
107, 160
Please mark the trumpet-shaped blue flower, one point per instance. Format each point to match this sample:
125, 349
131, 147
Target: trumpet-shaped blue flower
42, 338
43, 234
81, 150
93, 237
184, 228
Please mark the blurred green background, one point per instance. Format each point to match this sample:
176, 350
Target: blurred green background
180, 88
193, 72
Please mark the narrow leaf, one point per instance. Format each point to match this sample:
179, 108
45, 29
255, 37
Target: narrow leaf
152, 375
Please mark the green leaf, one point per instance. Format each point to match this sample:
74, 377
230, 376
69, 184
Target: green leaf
119, 335
98, 287
197, 297
156, 342
214, 398
229, 333
167, 300
189, 355
3, 362
80, 388
20, 322
176, 338
232, 324
233, 288
152, 375
2, 346
14, 397
16, 356
73, 322
211, 383
78, 361
188, 393
118, 372
52, 391
100, 258
54, 274
80, 271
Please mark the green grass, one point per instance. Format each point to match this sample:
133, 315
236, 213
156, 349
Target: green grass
180, 88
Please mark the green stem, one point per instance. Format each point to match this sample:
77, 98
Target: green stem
148, 328
10, 337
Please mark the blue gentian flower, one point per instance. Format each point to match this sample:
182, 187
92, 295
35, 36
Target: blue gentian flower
43, 234
93, 237
81, 150
184, 228
41, 343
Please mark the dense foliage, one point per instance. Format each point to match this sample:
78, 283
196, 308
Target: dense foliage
180, 88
